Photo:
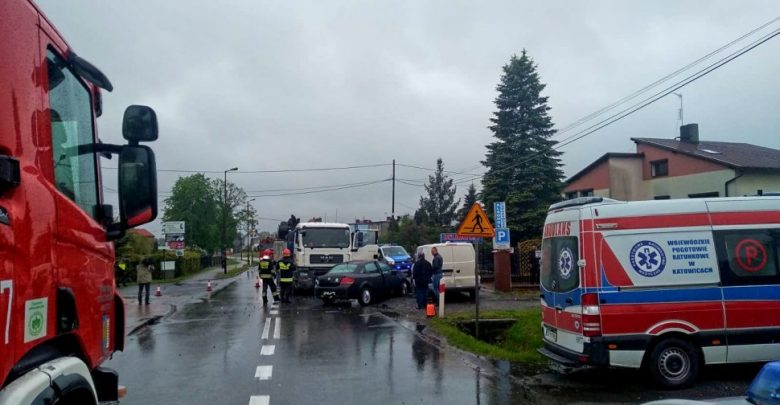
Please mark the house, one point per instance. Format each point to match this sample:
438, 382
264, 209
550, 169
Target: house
679, 168
148, 236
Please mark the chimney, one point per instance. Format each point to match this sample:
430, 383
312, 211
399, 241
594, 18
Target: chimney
689, 133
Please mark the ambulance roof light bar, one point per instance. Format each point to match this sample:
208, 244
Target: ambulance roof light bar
575, 202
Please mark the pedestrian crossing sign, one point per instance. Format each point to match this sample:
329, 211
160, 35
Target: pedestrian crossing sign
476, 223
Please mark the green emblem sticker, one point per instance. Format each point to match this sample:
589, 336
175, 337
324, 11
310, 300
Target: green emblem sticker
35, 312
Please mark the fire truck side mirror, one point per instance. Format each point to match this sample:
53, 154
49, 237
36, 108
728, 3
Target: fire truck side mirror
137, 185
139, 124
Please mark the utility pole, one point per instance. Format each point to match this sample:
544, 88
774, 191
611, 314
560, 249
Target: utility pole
224, 222
392, 211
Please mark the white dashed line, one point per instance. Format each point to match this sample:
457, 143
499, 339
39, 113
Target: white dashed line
267, 350
274, 312
278, 328
264, 372
259, 400
266, 329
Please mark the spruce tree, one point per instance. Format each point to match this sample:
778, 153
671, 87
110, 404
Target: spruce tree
523, 169
439, 205
468, 200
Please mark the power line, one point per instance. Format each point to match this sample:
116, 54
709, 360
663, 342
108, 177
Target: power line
321, 169
364, 184
642, 104
305, 188
663, 79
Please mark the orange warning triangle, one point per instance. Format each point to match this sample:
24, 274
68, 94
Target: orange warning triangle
476, 223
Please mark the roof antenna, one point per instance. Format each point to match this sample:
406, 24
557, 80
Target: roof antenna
680, 113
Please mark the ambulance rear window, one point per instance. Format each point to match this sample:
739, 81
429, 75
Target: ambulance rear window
748, 257
559, 264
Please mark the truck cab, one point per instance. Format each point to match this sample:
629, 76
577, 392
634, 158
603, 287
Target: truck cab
317, 247
59, 307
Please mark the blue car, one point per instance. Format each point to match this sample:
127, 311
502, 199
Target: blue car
397, 258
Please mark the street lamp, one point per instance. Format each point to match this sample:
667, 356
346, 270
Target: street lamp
224, 222
250, 226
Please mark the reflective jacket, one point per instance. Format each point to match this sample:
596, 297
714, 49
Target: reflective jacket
286, 268
266, 269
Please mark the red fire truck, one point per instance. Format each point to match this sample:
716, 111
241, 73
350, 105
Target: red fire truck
60, 313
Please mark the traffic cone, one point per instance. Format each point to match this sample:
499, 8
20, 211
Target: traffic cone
430, 310
257, 282
208, 286
158, 292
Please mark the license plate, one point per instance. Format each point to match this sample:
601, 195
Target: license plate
550, 334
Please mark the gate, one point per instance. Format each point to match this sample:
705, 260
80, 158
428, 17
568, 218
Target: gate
528, 262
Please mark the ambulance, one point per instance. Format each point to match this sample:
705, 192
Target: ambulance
668, 285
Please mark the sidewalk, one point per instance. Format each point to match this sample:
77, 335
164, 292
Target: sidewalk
172, 296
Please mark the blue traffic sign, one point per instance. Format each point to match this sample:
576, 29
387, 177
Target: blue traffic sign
501, 240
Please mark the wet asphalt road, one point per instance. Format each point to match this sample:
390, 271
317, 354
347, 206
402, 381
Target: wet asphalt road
228, 349
215, 352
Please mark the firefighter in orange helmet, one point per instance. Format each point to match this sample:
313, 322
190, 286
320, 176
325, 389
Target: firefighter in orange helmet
286, 269
266, 270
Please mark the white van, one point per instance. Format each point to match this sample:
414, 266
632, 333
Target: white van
458, 268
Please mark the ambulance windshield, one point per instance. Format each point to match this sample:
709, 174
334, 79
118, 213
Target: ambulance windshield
559, 264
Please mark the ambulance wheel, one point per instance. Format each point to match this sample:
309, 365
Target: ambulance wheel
472, 294
674, 363
365, 296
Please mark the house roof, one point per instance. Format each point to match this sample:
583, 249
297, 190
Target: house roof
600, 160
735, 155
142, 232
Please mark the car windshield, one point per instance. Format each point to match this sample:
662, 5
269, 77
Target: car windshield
394, 251
326, 238
345, 268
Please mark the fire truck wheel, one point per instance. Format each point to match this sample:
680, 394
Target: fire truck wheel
674, 363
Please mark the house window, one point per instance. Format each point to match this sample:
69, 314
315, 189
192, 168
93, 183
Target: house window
571, 194
704, 195
586, 193
659, 168
661, 197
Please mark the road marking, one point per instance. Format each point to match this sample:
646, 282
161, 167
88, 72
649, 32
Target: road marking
267, 350
259, 400
266, 329
275, 304
274, 312
278, 328
264, 372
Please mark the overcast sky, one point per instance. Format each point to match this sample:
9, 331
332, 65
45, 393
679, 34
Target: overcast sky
311, 84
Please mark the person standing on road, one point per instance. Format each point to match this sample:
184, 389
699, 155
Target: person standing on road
286, 269
265, 268
437, 263
144, 278
421, 274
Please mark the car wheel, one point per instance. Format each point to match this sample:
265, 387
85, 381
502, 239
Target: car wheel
472, 294
674, 363
365, 296
404, 289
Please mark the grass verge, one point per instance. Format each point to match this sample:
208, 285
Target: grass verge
518, 343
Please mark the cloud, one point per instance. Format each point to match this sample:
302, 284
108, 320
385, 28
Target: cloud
263, 85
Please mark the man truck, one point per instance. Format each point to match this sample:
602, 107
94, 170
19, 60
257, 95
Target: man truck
61, 315
318, 246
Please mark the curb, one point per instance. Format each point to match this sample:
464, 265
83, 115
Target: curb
152, 320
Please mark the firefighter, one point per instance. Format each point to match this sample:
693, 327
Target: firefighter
286, 269
266, 270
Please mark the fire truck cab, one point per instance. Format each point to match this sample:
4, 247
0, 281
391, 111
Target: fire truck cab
60, 313
665, 285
